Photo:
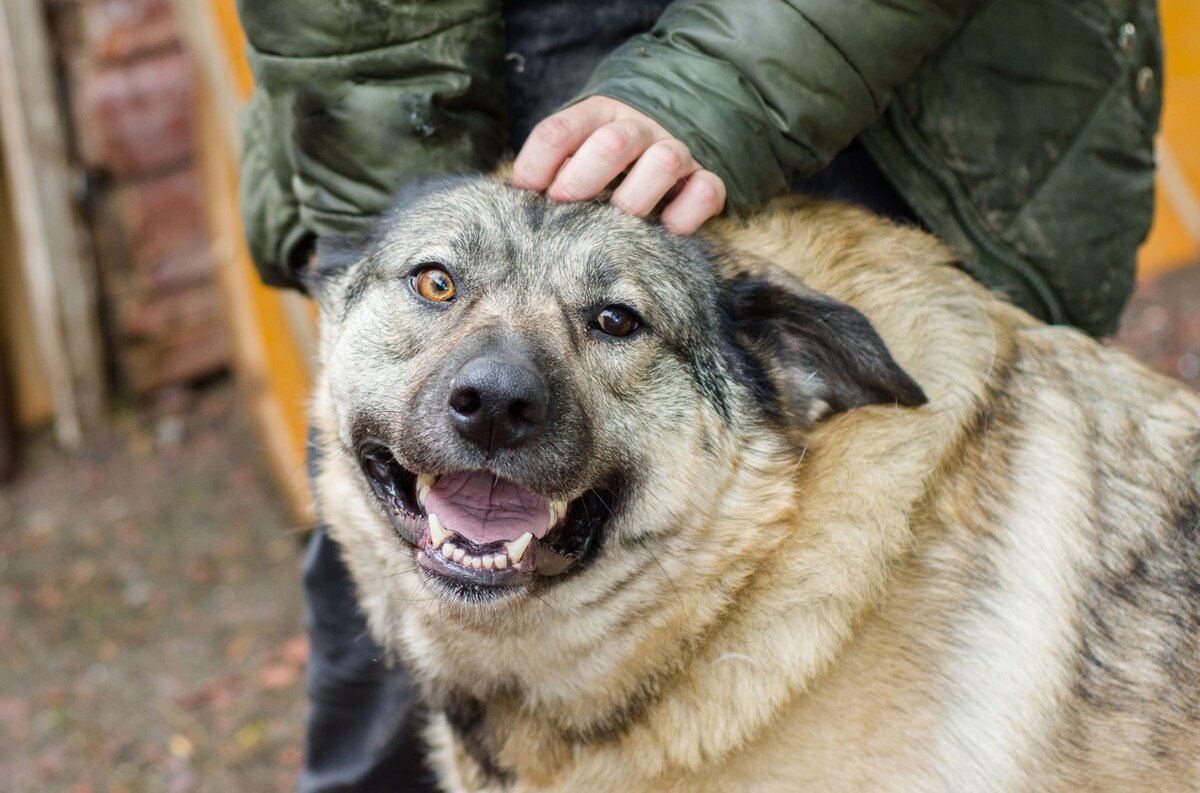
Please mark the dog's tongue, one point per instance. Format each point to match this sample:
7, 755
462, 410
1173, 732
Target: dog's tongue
483, 509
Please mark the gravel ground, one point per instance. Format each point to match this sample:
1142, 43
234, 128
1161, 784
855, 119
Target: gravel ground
150, 614
150, 618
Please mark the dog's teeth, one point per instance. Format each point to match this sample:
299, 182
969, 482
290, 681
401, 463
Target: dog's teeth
437, 532
476, 563
448, 550
557, 510
501, 561
489, 562
459, 555
425, 482
516, 548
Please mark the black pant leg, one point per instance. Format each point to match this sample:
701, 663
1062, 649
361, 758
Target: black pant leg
365, 719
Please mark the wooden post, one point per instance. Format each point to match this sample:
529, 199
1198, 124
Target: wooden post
59, 274
7, 431
273, 330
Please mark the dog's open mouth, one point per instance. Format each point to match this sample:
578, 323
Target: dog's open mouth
472, 529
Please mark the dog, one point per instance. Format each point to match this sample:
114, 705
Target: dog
789, 505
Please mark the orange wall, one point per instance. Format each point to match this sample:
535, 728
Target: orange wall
1171, 243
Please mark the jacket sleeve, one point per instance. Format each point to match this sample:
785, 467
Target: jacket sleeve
352, 100
766, 90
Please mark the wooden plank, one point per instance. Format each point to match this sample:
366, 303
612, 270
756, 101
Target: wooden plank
272, 330
29, 390
60, 278
204, 39
7, 430
272, 369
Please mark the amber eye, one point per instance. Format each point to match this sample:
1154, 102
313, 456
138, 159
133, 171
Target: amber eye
616, 321
433, 283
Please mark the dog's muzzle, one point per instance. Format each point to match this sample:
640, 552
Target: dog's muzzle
472, 527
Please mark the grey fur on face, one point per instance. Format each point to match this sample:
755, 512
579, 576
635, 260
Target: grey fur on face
718, 345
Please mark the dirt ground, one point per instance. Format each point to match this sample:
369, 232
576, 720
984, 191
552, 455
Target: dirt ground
150, 613
150, 617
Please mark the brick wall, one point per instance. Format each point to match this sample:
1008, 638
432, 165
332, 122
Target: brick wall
129, 87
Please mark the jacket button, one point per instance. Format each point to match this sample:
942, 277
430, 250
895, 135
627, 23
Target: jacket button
1145, 80
1126, 37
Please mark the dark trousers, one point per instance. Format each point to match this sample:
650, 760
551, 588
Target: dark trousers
365, 721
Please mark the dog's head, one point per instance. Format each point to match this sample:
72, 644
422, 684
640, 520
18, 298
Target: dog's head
531, 389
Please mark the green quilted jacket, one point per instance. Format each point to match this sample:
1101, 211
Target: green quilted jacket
1020, 131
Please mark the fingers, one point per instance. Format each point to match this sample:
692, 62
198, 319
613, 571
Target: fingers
575, 154
554, 140
702, 197
662, 166
602, 158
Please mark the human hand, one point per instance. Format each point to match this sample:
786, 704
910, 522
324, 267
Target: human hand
576, 153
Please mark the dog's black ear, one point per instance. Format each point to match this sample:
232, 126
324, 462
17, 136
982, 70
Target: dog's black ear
332, 258
811, 356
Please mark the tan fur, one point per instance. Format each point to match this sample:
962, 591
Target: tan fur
900, 605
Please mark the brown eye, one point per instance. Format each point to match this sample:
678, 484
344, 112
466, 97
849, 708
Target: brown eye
434, 284
616, 321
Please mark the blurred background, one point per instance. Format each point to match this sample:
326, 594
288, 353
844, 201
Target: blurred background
152, 496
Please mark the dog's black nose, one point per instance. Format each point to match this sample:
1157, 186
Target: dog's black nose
498, 404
